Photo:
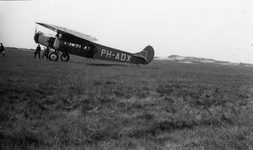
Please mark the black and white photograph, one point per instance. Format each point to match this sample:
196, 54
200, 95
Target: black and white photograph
126, 75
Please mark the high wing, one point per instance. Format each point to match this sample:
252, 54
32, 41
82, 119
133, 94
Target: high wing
68, 32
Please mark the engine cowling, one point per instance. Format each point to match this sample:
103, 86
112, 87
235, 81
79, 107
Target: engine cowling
43, 39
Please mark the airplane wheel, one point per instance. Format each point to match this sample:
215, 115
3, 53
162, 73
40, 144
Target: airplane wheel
65, 57
53, 56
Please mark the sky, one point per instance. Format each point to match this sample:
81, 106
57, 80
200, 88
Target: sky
217, 29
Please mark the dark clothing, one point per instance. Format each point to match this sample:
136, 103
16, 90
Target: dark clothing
2, 49
38, 49
46, 52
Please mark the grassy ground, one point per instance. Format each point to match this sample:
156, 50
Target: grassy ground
105, 105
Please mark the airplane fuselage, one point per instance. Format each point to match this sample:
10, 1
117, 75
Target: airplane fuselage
84, 48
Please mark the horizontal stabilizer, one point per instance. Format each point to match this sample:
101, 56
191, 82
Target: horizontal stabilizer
147, 54
141, 56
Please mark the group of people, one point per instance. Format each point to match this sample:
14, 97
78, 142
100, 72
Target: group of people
56, 46
38, 49
47, 49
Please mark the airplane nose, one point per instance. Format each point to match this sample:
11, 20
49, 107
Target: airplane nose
36, 36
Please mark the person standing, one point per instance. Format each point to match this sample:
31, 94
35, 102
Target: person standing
2, 49
38, 49
57, 41
46, 52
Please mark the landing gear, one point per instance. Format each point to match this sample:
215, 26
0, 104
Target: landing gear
65, 57
53, 56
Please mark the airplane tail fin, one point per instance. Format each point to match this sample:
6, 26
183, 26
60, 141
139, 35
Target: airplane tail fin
147, 54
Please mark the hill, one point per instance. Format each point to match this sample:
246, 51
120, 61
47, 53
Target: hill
104, 105
196, 60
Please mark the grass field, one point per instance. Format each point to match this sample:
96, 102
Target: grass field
104, 105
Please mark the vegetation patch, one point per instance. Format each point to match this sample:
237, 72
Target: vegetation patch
86, 105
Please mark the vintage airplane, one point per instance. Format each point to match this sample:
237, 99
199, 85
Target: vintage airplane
68, 42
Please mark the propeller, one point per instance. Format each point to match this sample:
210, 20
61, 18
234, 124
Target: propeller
35, 34
35, 29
